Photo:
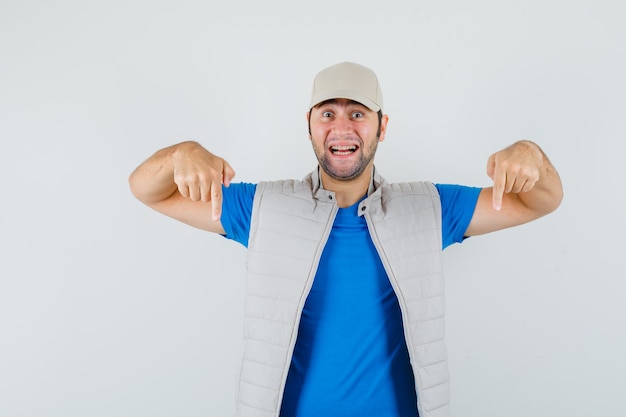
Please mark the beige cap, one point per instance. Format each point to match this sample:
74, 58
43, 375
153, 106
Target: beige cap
348, 80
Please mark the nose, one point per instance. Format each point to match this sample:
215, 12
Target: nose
342, 125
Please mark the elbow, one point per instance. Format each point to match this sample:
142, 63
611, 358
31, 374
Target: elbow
132, 184
557, 200
558, 196
553, 196
135, 187
554, 201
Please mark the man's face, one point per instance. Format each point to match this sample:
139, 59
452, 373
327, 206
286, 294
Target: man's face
343, 135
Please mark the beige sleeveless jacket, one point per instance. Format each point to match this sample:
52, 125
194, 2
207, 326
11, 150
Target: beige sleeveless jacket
291, 222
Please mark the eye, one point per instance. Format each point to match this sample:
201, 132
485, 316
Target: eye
357, 115
327, 114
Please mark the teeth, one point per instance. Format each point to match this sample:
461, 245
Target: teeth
343, 150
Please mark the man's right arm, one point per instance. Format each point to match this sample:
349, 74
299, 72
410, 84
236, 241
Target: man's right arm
184, 181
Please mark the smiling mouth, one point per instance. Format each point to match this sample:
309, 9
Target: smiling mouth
343, 150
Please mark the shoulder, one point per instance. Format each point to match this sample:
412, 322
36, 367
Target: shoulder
454, 195
414, 187
304, 188
282, 186
424, 191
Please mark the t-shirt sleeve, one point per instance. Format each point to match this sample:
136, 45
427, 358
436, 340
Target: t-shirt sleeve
457, 208
237, 211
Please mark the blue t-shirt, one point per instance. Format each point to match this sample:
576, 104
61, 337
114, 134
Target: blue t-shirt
350, 357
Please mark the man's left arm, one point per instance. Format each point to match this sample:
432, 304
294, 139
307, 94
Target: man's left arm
526, 186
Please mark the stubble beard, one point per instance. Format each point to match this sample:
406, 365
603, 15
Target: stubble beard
348, 173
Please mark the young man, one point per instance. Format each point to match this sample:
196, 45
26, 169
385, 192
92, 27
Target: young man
345, 305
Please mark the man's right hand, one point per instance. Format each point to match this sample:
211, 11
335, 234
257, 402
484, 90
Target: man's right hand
180, 180
199, 175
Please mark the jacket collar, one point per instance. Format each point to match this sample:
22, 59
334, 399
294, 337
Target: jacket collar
319, 193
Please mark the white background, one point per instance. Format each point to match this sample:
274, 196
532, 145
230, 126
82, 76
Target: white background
110, 309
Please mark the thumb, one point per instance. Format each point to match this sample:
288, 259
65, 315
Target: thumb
228, 173
491, 166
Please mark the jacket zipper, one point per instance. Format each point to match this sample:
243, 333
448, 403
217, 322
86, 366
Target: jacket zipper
305, 294
394, 285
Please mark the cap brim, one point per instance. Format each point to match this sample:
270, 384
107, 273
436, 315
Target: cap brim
347, 95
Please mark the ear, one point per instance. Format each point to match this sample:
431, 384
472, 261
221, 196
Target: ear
308, 122
383, 127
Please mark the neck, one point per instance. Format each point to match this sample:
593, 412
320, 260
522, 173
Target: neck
348, 192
